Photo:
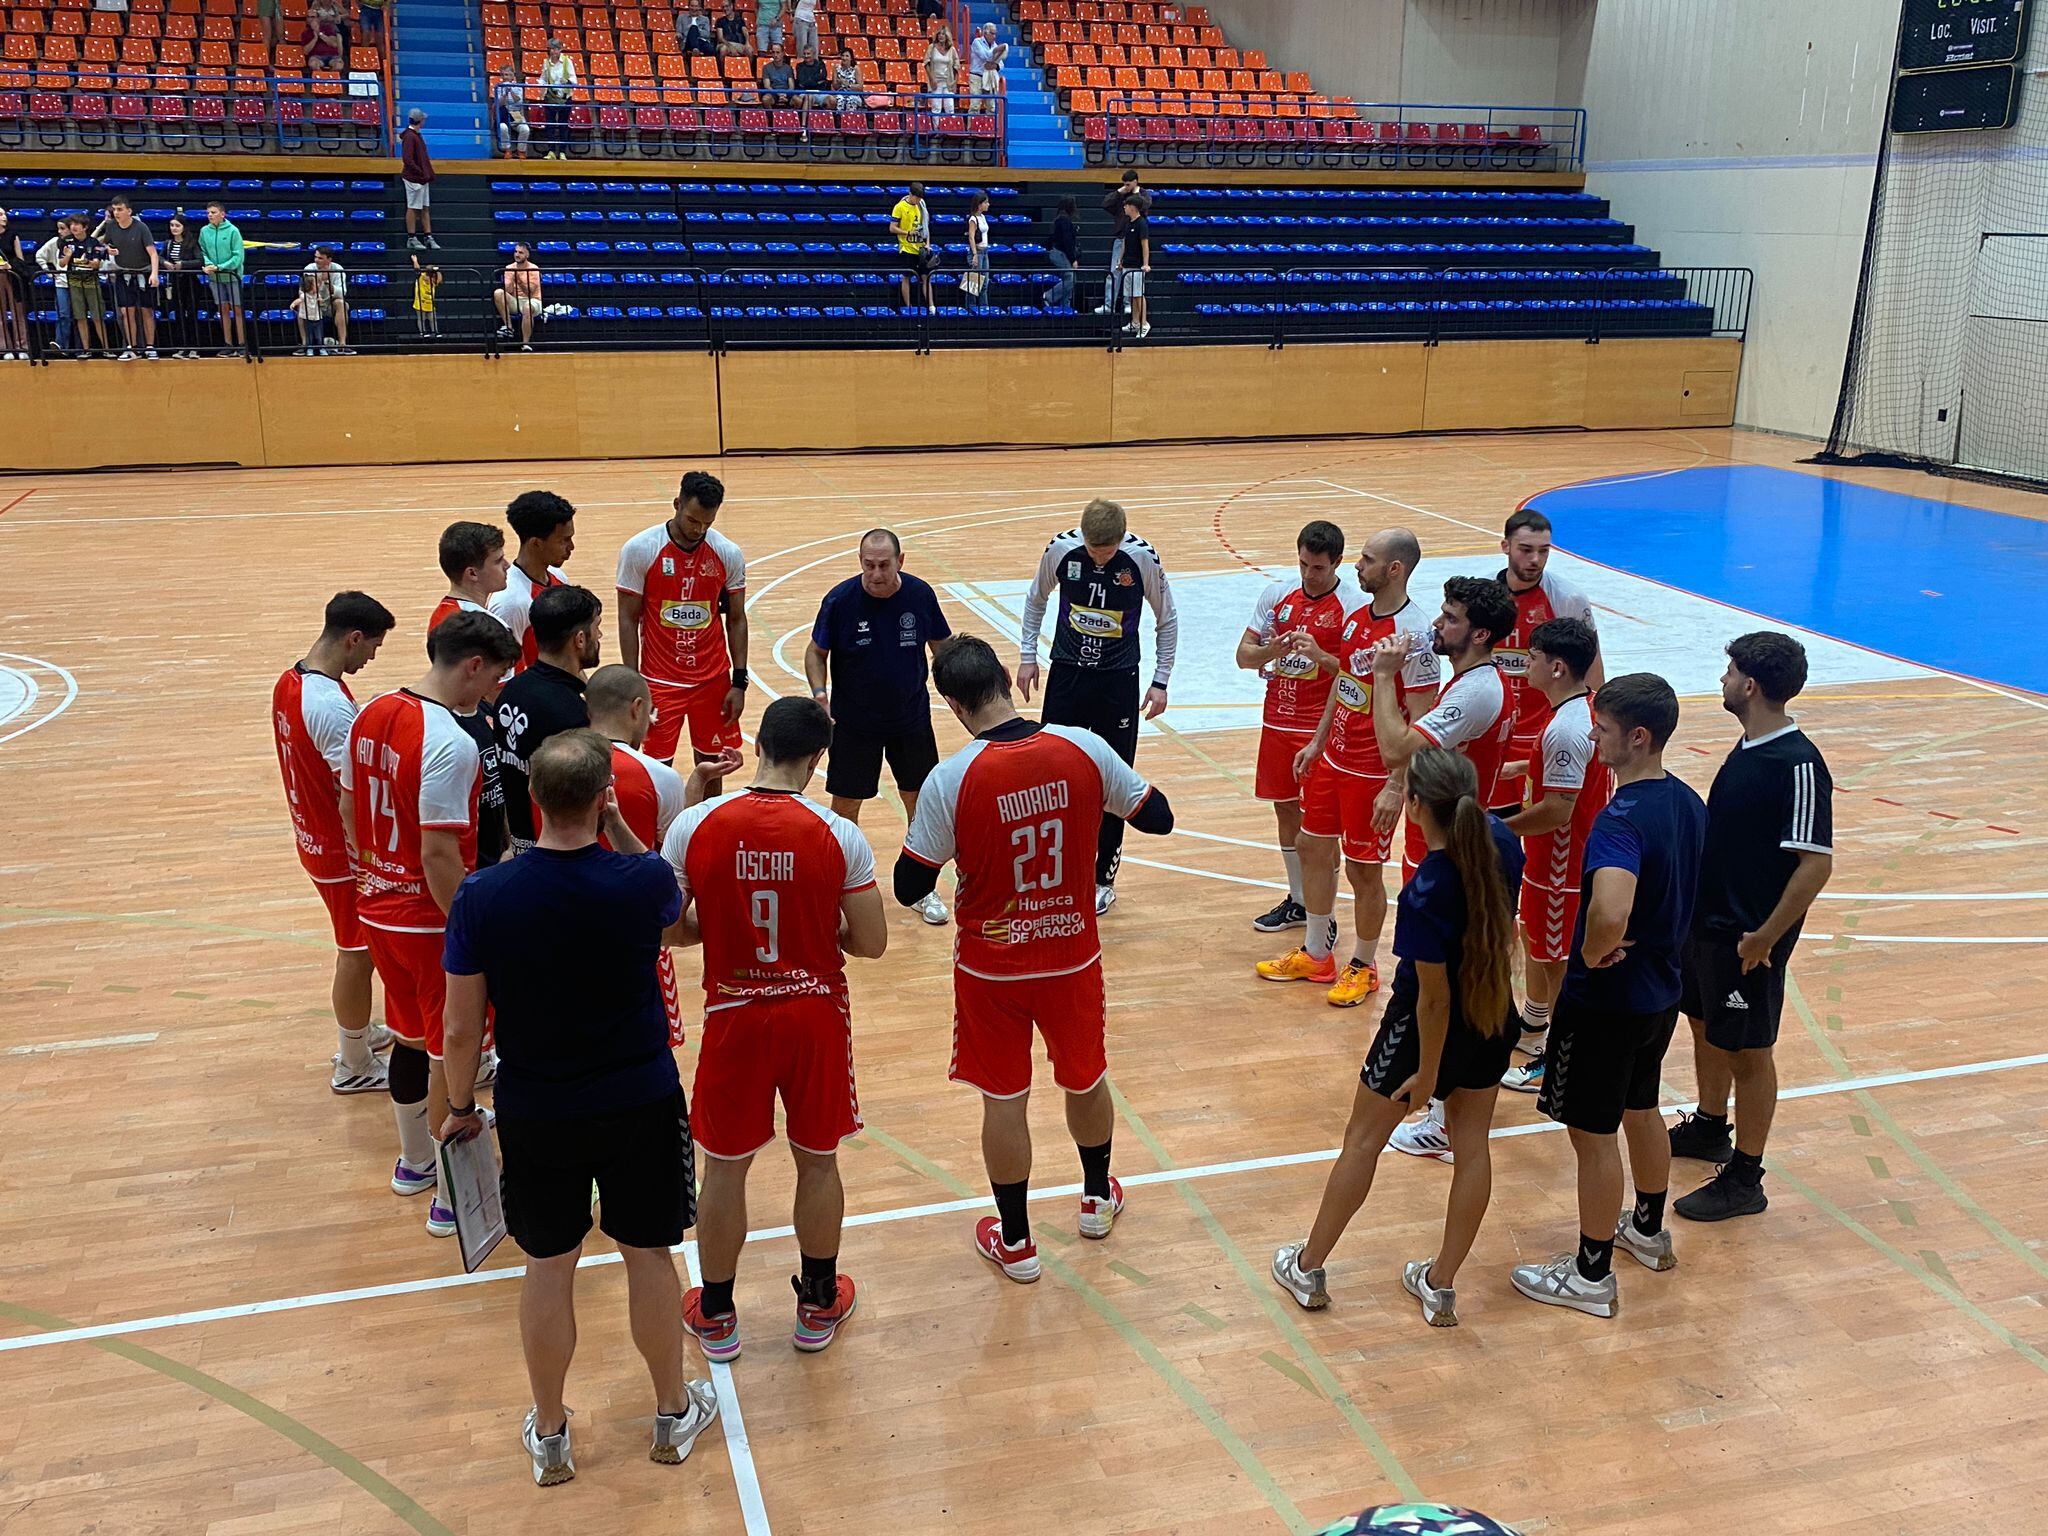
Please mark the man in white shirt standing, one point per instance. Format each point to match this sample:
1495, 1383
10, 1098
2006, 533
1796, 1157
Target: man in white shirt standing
985, 63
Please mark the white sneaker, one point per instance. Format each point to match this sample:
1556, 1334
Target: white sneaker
552, 1462
1144, 330
1099, 1216
1425, 1137
370, 1079
1652, 1251
1526, 1078
675, 1434
1439, 1303
933, 910
1105, 898
1559, 1284
1306, 1286
380, 1039
487, 1069
128, 354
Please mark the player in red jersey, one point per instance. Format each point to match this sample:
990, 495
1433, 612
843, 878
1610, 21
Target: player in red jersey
651, 794
780, 890
472, 557
311, 711
1289, 641
1571, 787
546, 525
1539, 597
1019, 809
409, 791
1471, 716
1349, 800
683, 623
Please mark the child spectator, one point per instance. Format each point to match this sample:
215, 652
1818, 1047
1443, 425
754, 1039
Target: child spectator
222, 256
425, 287
515, 133
182, 275
974, 281
81, 256
322, 305
47, 259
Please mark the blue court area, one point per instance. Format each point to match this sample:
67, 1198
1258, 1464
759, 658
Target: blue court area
1917, 579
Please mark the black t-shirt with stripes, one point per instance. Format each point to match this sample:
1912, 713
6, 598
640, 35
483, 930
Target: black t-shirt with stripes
1772, 801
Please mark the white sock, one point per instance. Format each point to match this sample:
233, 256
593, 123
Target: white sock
355, 1049
1292, 859
1434, 1115
1536, 1015
1322, 935
415, 1141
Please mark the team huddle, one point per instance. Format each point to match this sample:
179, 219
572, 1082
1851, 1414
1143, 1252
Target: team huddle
521, 791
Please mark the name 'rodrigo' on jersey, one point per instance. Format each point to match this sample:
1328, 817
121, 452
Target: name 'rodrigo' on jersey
1096, 623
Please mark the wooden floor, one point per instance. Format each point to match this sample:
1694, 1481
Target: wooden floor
1867, 1356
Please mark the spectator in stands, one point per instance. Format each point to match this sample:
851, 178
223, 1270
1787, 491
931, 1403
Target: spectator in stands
558, 84
181, 268
813, 81
848, 81
519, 296
1063, 250
80, 256
322, 305
985, 64
417, 171
941, 69
778, 84
804, 19
273, 34
47, 259
911, 222
222, 256
426, 288
320, 44
732, 31
515, 133
694, 34
1127, 191
931, 10
372, 14
974, 281
17, 271
137, 272
1137, 237
768, 25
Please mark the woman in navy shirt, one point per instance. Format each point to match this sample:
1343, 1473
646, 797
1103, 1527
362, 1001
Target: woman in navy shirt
1448, 1032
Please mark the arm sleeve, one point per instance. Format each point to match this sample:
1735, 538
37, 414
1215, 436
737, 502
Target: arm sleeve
821, 627
1035, 596
1466, 717
633, 562
913, 879
1123, 790
1570, 603
735, 567
1567, 752
1261, 621
459, 955
508, 611
1614, 843
675, 848
345, 773
1421, 930
449, 766
1809, 820
930, 840
668, 799
936, 627
329, 727
662, 887
1166, 620
860, 857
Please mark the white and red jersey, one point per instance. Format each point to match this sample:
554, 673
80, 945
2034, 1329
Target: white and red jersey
685, 595
311, 713
767, 869
1353, 748
411, 768
513, 608
650, 794
1551, 598
1020, 817
1472, 716
1567, 764
1296, 687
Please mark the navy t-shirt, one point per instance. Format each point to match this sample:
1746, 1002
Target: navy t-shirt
1429, 920
877, 646
567, 945
1655, 829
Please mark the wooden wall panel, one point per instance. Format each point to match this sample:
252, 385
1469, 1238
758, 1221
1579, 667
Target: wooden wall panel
1625, 382
94, 415
1641, 382
1226, 392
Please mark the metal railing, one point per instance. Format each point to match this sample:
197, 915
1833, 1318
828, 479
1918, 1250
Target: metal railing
170, 111
1246, 130
692, 307
688, 120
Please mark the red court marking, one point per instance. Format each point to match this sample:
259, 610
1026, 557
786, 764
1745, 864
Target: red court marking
24, 496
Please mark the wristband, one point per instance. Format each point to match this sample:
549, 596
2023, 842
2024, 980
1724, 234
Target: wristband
821, 693
464, 1114
739, 677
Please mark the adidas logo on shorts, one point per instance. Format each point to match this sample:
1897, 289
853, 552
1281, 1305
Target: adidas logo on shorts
1735, 1000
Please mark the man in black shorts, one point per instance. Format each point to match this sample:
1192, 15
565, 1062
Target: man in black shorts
563, 943
1619, 1005
875, 631
1770, 851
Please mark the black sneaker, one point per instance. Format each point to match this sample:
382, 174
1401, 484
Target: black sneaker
1288, 914
1726, 1194
1702, 1139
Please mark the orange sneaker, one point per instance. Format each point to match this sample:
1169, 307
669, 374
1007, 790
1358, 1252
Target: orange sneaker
1355, 984
718, 1337
816, 1326
1299, 965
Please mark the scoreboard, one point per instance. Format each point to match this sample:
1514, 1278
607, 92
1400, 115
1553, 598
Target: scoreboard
1957, 66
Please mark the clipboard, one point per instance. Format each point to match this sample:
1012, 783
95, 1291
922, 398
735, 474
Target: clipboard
470, 1185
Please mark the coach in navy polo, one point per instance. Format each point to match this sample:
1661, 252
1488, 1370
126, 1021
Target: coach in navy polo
876, 632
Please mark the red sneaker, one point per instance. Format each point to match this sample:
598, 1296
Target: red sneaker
1019, 1263
1098, 1216
815, 1326
718, 1337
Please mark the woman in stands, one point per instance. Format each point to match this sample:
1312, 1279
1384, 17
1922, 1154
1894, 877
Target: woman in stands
557, 84
17, 271
1063, 250
941, 69
974, 281
182, 267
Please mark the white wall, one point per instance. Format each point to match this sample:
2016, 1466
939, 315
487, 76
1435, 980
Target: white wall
1745, 133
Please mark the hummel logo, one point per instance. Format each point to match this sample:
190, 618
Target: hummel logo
1735, 1001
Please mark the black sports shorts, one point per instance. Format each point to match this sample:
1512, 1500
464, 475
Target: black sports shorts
641, 1160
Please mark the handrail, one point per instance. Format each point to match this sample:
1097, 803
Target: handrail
1201, 121
115, 85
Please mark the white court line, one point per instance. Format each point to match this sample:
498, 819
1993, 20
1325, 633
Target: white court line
739, 1451
80, 1045
915, 1212
70, 694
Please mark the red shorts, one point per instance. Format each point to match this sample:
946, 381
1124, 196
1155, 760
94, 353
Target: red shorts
703, 707
415, 986
992, 1030
1339, 805
340, 896
798, 1048
1549, 916
1274, 779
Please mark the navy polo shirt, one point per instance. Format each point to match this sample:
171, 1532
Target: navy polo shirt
877, 649
1655, 829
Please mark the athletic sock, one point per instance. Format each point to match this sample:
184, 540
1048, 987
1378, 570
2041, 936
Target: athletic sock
355, 1049
1095, 1171
1750, 1170
1649, 1212
415, 1141
1365, 954
1535, 1016
1321, 937
1292, 859
1596, 1257
1717, 1122
717, 1298
819, 1286
1010, 1206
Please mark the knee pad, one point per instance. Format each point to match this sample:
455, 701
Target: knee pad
407, 1073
